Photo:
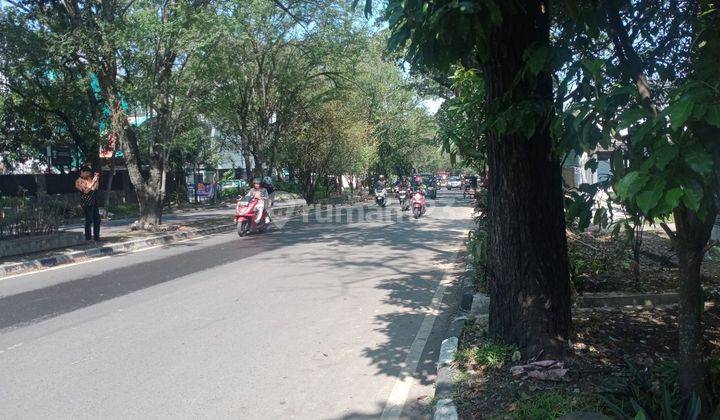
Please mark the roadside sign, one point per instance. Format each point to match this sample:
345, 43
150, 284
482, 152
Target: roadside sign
60, 156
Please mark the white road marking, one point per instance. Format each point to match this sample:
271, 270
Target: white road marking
57, 267
398, 396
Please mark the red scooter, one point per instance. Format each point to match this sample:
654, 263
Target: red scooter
418, 204
246, 212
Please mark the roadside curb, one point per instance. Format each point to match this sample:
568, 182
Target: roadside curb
75, 256
445, 408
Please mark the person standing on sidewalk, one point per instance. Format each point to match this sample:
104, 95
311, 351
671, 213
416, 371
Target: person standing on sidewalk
88, 187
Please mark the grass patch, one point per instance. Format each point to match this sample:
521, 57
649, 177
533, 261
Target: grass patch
554, 404
126, 209
490, 354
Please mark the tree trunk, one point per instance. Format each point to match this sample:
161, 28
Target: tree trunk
692, 234
147, 190
528, 264
108, 187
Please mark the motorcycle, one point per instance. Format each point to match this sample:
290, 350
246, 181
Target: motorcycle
418, 204
380, 197
404, 196
246, 212
469, 191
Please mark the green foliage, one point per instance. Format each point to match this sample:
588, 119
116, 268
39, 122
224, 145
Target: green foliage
30, 216
477, 255
124, 209
233, 192
490, 354
653, 394
460, 122
553, 404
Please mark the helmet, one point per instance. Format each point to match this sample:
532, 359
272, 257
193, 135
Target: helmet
381, 176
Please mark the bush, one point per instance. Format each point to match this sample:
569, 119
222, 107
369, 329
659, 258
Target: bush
654, 394
30, 216
233, 192
291, 187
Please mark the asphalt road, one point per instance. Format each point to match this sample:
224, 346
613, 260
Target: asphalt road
336, 316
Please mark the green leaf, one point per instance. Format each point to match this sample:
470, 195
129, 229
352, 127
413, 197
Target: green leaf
699, 160
712, 115
630, 117
631, 184
648, 199
593, 65
692, 196
679, 112
601, 218
673, 196
640, 416
664, 155
536, 57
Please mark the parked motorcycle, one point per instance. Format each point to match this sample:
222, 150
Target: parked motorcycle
246, 212
418, 204
380, 195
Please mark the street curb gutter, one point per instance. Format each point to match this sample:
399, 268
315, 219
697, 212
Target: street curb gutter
75, 256
445, 408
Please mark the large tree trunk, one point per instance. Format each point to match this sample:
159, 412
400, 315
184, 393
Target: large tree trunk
692, 234
529, 278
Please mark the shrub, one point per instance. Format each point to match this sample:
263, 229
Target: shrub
30, 216
291, 187
233, 192
654, 394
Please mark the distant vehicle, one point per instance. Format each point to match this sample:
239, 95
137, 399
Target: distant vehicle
442, 179
454, 182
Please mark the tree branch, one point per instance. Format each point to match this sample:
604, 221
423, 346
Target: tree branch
669, 232
627, 54
710, 245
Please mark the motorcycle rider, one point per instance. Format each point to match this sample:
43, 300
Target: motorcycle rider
420, 185
403, 184
259, 192
381, 182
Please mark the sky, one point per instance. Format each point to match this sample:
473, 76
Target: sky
432, 105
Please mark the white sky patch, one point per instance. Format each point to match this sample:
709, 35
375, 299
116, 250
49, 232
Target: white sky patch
432, 105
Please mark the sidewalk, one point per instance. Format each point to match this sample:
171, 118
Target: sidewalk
176, 216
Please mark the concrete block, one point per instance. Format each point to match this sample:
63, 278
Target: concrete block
30, 244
